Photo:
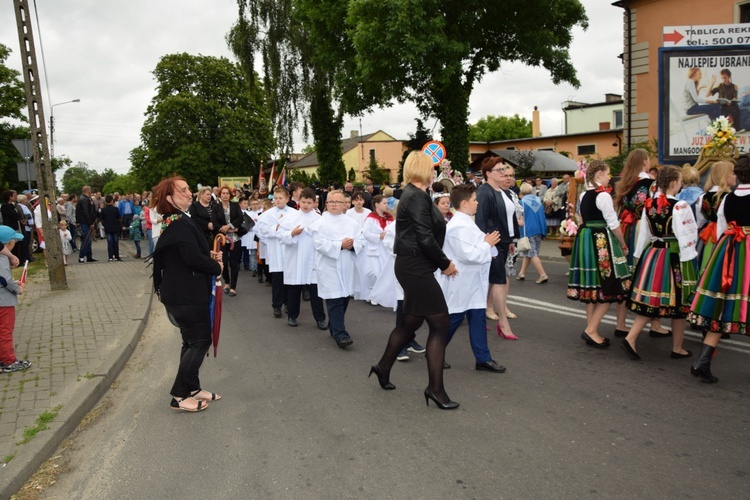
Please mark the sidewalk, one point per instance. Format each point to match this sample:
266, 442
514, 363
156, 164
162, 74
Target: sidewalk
77, 340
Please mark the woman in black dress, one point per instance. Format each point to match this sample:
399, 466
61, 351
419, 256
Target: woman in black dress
183, 269
420, 231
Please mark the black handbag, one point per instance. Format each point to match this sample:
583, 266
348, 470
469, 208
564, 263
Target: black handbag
247, 223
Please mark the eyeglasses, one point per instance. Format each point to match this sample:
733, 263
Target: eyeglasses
497, 170
335, 202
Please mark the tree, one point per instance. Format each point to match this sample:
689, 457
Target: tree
126, 183
433, 53
207, 119
525, 161
416, 142
76, 177
617, 162
308, 67
99, 180
12, 106
500, 128
378, 174
352, 175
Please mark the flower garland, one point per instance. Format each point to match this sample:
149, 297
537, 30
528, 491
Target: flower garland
569, 227
446, 172
583, 167
722, 134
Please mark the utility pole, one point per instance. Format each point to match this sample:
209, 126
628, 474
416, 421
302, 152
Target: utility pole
44, 175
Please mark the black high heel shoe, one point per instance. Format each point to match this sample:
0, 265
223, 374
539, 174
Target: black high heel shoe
428, 395
384, 384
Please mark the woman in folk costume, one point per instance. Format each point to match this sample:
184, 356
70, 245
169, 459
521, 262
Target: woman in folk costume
721, 300
721, 179
665, 276
632, 191
599, 273
374, 232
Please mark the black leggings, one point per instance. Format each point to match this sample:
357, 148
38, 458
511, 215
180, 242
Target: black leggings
439, 324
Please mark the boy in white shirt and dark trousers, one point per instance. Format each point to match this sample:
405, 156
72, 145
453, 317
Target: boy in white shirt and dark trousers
299, 259
267, 226
337, 240
466, 293
9, 292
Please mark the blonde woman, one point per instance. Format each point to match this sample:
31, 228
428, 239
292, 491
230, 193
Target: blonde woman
721, 180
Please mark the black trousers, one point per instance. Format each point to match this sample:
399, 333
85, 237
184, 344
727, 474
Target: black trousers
195, 328
278, 290
231, 267
293, 295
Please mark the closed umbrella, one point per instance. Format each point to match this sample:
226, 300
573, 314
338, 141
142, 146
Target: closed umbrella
216, 297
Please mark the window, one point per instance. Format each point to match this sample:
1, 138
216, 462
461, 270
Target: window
745, 13
511, 148
372, 155
545, 149
587, 149
617, 118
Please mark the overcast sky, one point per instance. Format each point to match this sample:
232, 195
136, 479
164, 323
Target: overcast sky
103, 53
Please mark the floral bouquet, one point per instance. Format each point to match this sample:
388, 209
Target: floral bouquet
446, 172
722, 134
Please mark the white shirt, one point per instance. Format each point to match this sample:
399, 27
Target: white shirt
683, 226
299, 253
465, 247
360, 218
721, 223
336, 267
266, 225
606, 205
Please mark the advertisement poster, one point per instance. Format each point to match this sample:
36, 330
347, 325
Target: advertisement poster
235, 182
698, 86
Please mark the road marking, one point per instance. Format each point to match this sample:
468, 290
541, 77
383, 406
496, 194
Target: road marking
609, 319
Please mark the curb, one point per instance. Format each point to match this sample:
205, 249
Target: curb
34, 453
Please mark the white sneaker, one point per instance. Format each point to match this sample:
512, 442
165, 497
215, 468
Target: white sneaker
16, 366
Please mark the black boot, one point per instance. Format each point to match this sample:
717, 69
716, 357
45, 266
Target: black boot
702, 366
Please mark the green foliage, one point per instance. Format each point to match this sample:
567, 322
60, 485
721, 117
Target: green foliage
352, 176
122, 184
12, 106
500, 128
617, 162
76, 177
208, 119
308, 71
433, 53
416, 142
298, 176
378, 174
525, 163
309, 148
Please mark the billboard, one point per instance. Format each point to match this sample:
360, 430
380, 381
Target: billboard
696, 86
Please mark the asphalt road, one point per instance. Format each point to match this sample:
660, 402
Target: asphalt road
300, 418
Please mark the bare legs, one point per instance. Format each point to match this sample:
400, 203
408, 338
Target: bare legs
622, 311
594, 314
499, 298
678, 332
439, 325
536, 262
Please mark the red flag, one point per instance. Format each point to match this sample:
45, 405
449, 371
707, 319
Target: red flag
282, 178
24, 273
262, 187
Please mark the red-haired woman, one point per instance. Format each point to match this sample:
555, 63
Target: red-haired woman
183, 267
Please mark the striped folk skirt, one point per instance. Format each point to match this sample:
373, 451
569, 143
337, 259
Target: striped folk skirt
598, 268
662, 285
721, 299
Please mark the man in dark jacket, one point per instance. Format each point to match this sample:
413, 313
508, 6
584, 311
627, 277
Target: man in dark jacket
12, 217
85, 216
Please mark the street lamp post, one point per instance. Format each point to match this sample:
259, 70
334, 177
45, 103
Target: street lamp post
52, 125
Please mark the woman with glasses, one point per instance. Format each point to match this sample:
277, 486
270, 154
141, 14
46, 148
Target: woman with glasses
497, 212
420, 232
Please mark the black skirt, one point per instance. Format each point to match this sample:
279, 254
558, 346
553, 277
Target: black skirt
422, 294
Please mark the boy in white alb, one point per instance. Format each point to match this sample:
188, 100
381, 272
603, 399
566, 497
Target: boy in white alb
337, 240
299, 259
358, 212
466, 293
268, 225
